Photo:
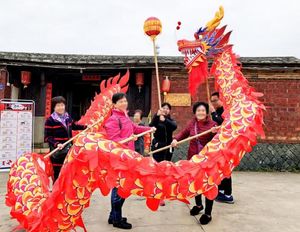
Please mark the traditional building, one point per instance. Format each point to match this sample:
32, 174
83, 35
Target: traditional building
77, 78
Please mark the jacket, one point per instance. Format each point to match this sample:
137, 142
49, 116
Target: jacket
164, 130
119, 127
195, 127
56, 132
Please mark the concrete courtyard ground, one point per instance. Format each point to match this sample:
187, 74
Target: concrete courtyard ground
266, 202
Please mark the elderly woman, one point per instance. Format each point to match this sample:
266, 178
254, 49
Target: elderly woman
200, 123
58, 129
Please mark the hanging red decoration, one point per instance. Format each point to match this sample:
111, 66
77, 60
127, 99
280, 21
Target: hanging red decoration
25, 78
139, 80
178, 25
48, 99
147, 142
166, 85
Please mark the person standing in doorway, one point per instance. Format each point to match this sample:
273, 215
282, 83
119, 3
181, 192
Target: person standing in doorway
139, 143
225, 188
58, 129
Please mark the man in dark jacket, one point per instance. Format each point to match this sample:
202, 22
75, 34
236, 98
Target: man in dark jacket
163, 136
225, 188
216, 108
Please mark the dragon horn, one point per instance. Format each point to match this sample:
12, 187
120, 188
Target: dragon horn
212, 24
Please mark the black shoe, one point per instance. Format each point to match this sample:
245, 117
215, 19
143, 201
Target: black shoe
110, 221
224, 198
122, 225
196, 210
205, 219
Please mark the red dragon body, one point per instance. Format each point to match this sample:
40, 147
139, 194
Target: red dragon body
96, 162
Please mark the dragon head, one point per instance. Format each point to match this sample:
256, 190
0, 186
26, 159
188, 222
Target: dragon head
209, 42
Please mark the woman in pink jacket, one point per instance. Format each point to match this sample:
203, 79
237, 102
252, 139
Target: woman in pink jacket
119, 127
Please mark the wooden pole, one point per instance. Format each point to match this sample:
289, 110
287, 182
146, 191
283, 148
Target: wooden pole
183, 141
157, 74
136, 136
71, 139
208, 95
123, 141
207, 91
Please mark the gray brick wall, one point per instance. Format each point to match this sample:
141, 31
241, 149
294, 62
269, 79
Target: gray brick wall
264, 157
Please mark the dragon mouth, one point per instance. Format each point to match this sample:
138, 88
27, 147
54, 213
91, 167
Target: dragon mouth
191, 53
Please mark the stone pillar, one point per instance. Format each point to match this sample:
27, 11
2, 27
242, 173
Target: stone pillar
14, 92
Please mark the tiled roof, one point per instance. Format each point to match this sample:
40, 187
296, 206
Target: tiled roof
105, 61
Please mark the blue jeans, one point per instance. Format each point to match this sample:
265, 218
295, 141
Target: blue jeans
116, 206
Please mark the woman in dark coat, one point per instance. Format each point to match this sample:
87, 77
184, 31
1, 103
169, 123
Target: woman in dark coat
58, 129
165, 126
200, 123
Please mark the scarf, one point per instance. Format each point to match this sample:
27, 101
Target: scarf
61, 118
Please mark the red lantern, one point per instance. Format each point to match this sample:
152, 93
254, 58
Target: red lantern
166, 85
25, 78
147, 142
139, 80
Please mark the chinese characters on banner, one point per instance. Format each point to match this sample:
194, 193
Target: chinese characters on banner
16, 131
48, 100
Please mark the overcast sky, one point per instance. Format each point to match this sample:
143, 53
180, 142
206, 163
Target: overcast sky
115, 27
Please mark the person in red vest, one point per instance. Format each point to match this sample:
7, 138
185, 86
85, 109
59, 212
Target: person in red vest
200, 123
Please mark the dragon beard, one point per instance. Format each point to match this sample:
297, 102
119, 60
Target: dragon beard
198, 73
